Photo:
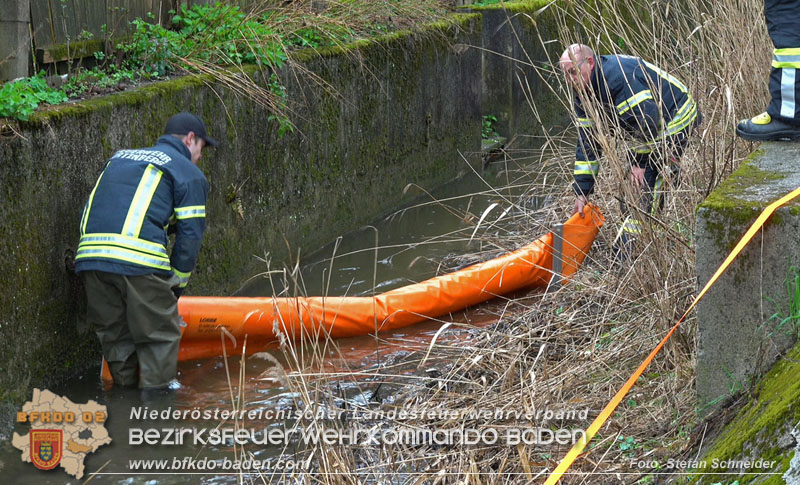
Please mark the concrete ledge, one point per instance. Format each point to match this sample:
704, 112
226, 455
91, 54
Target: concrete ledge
738, 337
512, 34
761, 433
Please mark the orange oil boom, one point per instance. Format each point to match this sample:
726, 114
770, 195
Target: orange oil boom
265, 320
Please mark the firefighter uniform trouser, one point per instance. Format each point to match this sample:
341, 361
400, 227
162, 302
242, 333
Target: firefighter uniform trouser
783, 25
136, 320
665, 159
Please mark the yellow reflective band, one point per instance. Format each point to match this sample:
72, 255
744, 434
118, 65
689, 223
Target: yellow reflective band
585, 122
120, 254
183, 277
682, 121
612, 405
141, 201
643, 150
787, 51
132, 243
787, 64
190, 212
586, 167
679, 124
683, 118
669, 77
85, 218
634, 100
656, 195
687, 105
632, 226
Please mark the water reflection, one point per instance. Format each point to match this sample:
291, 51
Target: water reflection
356, 371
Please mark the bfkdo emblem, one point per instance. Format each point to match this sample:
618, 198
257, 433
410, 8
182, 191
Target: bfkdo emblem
46, 448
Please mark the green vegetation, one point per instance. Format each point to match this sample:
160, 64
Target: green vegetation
19, 99
214, 34
220, 39
788, 319
757, 427
731, 192
627, 444
488, 127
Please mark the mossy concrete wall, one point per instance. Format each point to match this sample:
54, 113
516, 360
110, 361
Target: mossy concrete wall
373, 117
380, 115
760, 444
518, 79
739, 321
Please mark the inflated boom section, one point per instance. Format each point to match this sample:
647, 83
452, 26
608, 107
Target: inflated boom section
266, 320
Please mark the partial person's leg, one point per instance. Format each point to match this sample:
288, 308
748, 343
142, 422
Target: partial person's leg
631, 226
652, 199
106, 314
781, 121
783, 24
154, 322
664, 176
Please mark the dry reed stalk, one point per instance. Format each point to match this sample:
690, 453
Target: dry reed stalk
577, 345
573, 346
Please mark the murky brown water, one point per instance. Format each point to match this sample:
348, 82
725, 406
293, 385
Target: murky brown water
411, 244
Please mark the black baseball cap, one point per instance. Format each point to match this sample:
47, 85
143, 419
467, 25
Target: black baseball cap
183, 123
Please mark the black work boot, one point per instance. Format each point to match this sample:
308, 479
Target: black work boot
765, 128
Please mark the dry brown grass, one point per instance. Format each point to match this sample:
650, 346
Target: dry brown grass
323, 24
572, 347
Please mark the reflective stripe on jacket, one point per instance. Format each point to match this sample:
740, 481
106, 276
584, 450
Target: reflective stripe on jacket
648, 102
138, 194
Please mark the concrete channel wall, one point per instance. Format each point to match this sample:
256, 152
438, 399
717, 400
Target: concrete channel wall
513, 84
740, 329
381, 114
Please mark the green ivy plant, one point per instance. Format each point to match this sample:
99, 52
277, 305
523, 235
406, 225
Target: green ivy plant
21, 98
487, 127
200, 36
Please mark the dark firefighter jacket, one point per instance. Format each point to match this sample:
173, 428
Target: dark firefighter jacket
138, 194
648, 102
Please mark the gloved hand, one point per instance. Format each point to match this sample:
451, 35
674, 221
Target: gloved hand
178, 291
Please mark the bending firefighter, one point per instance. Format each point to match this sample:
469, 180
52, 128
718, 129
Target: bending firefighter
781, 121
644, 101
132, 284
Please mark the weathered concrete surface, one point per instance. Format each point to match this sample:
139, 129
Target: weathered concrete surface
383, 114
15, 39
513, 64
763, 433
737, 338
792, 475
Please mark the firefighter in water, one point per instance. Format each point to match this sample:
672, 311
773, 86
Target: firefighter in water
132, 283
781, 121
643, 100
